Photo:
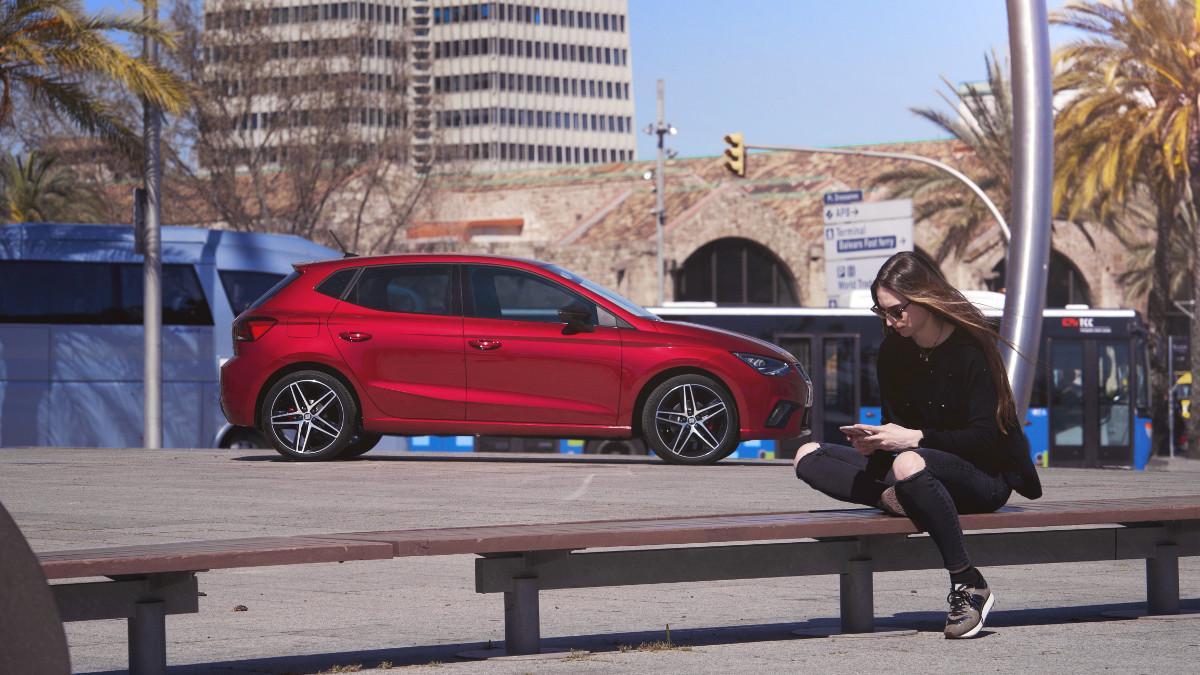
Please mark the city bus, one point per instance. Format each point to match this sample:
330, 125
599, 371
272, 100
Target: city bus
1090, 405
71, 338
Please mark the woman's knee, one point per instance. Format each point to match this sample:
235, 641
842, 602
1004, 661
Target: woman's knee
907, 464
802, 451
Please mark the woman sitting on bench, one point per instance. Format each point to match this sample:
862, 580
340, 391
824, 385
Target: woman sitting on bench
950, 441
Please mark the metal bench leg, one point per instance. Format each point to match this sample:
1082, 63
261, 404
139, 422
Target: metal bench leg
148, 639
522, 628
858, 597
1162, 580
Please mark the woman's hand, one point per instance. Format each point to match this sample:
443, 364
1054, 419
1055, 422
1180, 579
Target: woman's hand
889, 437
859, 445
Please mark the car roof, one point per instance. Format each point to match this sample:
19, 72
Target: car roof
417, 258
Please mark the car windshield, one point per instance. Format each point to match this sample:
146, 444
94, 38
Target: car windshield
612, 296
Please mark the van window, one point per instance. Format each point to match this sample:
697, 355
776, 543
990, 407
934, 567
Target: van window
243, 288
96, 293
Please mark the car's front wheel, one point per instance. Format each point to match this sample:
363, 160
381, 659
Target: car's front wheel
309, 415
690, 419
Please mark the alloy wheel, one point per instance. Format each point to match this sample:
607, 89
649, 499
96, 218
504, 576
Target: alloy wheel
692, 420
307, 416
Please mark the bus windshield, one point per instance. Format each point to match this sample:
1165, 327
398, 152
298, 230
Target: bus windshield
610, 295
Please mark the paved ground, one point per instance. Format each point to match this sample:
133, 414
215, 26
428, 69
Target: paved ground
417, 614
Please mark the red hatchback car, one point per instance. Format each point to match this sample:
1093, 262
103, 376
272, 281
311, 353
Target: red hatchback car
343, 351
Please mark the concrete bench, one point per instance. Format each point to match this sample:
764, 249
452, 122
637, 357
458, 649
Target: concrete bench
520, 561
146, 583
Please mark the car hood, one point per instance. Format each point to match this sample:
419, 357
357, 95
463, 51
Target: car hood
733, 340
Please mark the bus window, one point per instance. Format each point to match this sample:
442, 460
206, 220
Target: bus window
801, 348
1113, 396
870, 378
1066, 393
840, 407
1141, 366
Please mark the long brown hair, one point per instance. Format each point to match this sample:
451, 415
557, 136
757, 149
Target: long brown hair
918, 281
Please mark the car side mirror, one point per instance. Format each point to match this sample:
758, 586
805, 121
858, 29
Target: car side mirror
577, 318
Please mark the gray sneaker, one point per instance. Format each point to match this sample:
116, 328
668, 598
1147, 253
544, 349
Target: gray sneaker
969, 607
889, 504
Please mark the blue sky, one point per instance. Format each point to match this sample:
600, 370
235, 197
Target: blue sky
806, 72
798, 72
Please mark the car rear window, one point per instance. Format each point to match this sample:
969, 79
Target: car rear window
336, 284
243, 288
64, 292
279, 286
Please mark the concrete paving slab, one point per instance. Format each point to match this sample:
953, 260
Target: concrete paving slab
418, 613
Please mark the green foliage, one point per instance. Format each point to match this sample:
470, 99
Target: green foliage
53, 53
983, 122
35, 189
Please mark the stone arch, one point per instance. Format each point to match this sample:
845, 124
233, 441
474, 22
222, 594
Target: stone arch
737, 271
1065, 283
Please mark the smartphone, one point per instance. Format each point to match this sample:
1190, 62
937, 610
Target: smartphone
854, 431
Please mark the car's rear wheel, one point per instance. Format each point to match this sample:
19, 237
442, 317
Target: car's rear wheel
309, 415
361, 444
690, 419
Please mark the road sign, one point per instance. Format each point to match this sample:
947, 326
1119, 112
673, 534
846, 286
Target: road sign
856, 212
859, 237
843, 277
842, 197
869, 238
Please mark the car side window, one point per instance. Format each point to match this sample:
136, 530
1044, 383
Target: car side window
515, 295
412, 289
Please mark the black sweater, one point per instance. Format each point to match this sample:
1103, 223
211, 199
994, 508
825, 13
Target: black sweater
952, 400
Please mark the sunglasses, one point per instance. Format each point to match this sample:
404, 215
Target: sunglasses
895, 313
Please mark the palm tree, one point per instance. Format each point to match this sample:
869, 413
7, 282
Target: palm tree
53, 55
34, 188
1132, 124
984, 124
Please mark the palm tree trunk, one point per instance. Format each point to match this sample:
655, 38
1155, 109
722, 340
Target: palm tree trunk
1193, 161
1156, 315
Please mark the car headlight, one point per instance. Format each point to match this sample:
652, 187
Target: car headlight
764, 364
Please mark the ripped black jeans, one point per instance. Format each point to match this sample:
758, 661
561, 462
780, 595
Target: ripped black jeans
933, 498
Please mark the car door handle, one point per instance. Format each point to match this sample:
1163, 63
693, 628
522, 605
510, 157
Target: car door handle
355, 336
485, 344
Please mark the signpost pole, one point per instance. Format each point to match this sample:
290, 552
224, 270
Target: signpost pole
660, 208
1033, 165
152, 436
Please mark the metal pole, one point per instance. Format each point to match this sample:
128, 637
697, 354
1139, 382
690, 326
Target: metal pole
152, 265
659, 187
1171, 395
1033, 158
960, 176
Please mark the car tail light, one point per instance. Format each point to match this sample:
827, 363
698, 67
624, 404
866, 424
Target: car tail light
251, 328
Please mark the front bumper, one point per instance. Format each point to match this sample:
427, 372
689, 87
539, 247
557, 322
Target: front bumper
778, 408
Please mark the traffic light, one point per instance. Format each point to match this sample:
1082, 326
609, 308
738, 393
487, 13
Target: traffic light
735, 154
